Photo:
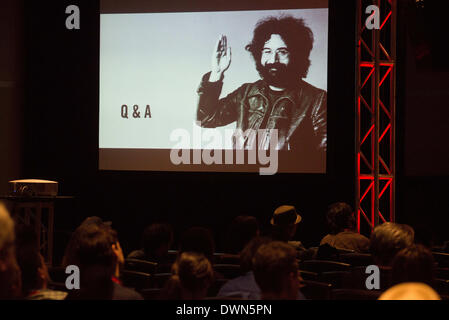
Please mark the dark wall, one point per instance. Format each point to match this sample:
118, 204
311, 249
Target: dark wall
61, 141
11, 91
423, 110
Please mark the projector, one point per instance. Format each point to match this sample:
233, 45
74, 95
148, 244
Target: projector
33, 188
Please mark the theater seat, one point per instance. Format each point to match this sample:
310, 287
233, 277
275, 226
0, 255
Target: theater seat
141, 266
320, 266
150, 294
442, 259
357, 259
338, 279
229, 271
308, 275
442, 273
314, 290
353, 294
442, 286
158, 280
358, 278
136, 280
172, 255
227, 258
59, 286
57, 274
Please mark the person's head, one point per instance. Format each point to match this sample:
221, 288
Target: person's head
157, 239
276, 271
198, 239
410, 291
281, 48
340, 216
242, 229
10, 282
192, 277
92, 249
388, 239
117, 249
414, 264
247, 254
284, 223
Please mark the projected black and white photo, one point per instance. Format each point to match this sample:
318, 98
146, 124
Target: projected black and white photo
216, 81
281, 100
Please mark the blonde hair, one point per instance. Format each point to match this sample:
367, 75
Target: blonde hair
410, 291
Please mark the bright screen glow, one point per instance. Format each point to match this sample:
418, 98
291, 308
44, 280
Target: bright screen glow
159, 90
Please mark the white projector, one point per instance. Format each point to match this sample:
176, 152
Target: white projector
33, 188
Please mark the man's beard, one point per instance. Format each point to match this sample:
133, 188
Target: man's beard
277, 75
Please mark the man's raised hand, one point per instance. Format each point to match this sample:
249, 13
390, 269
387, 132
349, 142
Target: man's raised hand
221, 59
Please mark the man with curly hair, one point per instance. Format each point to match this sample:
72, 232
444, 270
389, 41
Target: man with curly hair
281, 101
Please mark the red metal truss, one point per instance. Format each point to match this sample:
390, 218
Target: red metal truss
375, 116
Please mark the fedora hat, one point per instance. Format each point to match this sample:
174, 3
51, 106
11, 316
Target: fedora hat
285, 215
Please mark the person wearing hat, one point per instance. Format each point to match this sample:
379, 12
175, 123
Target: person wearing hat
284, 224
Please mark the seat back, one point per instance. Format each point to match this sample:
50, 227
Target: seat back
227, 258
442, 259
59, 286
308, 275
354, 294
442, 273
314, 290
136, 280
357, 259
357, 280
338, 279
442, 286
172, 255
344, 251
229, 271
320, 266
57, 274
140, 266
150, 294
158, 280
358, 277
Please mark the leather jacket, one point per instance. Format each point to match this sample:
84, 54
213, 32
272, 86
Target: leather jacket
299, 114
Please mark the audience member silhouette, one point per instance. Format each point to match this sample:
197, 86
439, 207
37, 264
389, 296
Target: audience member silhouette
387, 240
199, 240
242, 230
94, 248
341, 222
414, 264
245, 286
191, 279
116, 244
284, 224
276, 271
156, 240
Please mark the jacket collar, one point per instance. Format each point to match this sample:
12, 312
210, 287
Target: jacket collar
260, 87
